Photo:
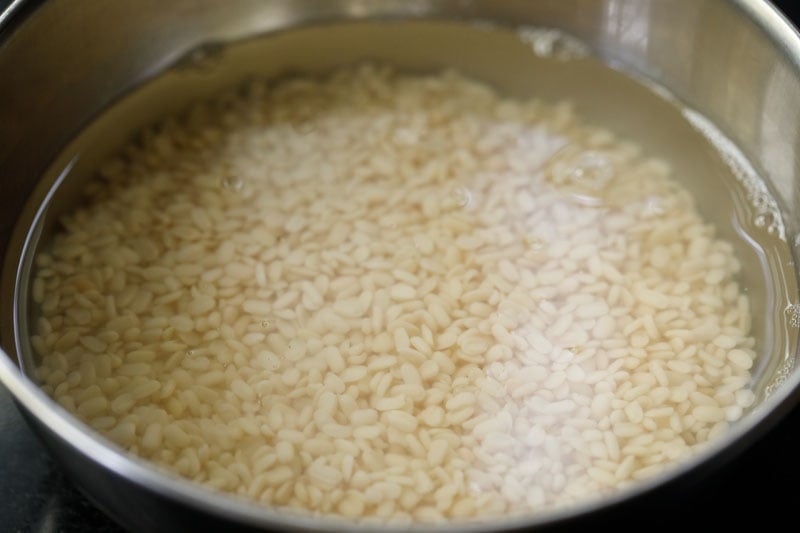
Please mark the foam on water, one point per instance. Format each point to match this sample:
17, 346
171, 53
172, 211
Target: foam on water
766, 212
553, 44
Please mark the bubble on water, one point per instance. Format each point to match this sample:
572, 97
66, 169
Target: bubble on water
232, 182
758, 196
793, 314
564, 355
593, 170
767, 221
760, 201
463, 197
553, 44
190, 353
653, 206
781, 375
586, 169
533, 242
203, 58
583, 175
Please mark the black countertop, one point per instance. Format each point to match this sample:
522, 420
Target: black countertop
35, 497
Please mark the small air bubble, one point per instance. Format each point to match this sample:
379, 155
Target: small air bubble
760, 201
463, 197
190, 353
553, 44
768, 221
533, 242
233, 183
203, 58
653, 207
265, 323
587, 170
581, 175
761, 220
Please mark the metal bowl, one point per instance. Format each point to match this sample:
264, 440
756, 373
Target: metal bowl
63, 63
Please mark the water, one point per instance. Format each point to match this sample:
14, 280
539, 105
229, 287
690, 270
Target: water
531, 63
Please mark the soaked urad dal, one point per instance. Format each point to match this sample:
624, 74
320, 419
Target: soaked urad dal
393, 296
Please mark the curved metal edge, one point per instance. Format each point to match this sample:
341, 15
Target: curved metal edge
767, 18
782, 33
9, 11
9, 15
775, 25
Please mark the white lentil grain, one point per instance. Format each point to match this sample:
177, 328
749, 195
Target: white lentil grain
740, 358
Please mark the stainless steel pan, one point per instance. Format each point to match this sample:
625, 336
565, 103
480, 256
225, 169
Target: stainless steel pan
63, 62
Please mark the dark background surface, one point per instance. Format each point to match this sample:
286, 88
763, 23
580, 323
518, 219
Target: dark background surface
760, 485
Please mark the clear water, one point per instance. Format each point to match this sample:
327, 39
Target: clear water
529, 63
525, 63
